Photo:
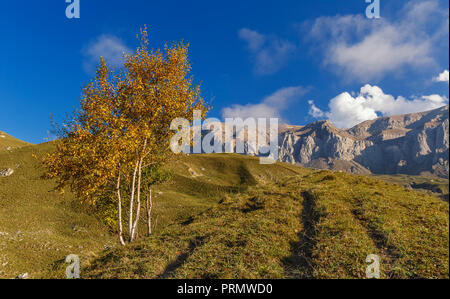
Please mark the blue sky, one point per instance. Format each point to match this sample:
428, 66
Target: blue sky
297, 60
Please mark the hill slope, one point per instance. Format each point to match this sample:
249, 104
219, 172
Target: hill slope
39, 226
316, 224
227, 216
8, 142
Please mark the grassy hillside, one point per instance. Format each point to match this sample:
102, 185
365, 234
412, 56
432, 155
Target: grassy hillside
316, 224
431, 184
227, 216
8, 142
39, 226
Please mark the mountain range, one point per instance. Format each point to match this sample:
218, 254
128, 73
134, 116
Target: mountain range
414, 144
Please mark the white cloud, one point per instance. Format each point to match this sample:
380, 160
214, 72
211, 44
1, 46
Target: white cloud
110, 47
443, 77
378, 54
270, 107
365, 49
270, 54
314, 111
346, 111
254, 39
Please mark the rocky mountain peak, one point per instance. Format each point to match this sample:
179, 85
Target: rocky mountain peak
411, 144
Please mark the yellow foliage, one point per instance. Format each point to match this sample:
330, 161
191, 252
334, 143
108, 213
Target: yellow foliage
124, 120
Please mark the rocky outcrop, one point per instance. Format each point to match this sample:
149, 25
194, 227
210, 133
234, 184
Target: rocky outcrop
6, 172
409, 144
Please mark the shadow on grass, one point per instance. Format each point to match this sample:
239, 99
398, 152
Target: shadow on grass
300, 264
254, 204
380, 240
179, 261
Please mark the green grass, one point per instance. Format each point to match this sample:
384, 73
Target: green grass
431, 184
227, 216
316, 224
39, 226
8, 142
234, 239
360, 216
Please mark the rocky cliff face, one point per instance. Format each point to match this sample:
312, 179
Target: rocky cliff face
409, 144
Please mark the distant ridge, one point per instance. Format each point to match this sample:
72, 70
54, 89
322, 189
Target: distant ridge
8, 142
413, 144
416, 143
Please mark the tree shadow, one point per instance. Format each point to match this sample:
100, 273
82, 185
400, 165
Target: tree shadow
181, 259
300, 263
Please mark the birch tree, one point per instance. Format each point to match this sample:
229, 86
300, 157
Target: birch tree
123, 128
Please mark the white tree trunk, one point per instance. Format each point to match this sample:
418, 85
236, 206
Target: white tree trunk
138, 193
149, 211
130, 218
138, 199
119, 199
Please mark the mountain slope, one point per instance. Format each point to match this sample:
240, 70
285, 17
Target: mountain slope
226, 216
406, 144
8, 142
316, 224
38, 226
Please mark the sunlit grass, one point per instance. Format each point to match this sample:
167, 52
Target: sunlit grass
227, 216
